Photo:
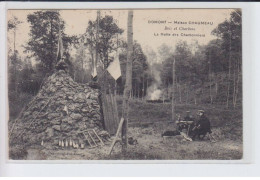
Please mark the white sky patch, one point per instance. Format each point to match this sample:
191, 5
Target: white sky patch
144, 32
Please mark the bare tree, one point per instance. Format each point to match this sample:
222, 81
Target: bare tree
128, 83
13, 25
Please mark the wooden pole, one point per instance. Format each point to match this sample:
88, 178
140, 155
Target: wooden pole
128, 83
173, 85
117, 134
97, 38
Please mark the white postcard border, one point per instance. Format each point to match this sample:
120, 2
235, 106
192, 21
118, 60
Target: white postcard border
154, 167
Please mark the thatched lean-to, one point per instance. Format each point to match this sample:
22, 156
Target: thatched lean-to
61, 110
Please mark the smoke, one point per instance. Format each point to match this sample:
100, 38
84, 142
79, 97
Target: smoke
153, 93
156, 75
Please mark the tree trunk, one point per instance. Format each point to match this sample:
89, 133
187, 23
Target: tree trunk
168, 94
210, 90
128, 83
188, 95
180, 93
147, 85
238, 72
210, 81
229, 69
186, 89
53, 62
115, 90
234, 84
106, 88
237, 89
173, 92
15, 63
97, 39
216, 84
82, 64
143, 88
138, 91
133, 89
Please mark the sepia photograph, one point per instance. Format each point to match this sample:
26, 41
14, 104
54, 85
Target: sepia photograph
124, 84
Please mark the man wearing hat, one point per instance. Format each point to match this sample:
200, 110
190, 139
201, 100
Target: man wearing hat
202, 126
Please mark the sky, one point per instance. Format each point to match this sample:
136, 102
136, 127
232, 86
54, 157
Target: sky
151, 28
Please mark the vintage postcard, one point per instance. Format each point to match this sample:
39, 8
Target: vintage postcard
125, 84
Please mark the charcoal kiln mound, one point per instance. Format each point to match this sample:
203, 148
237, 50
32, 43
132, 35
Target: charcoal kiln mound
61, 111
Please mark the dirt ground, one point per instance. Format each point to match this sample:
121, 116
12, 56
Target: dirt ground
145, 128
151, 146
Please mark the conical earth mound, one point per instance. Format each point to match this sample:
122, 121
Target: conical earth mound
61, 110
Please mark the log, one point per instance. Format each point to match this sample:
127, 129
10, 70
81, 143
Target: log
98, 137
116, 137
87, 140
92, 138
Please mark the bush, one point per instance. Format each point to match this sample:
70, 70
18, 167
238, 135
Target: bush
16, 102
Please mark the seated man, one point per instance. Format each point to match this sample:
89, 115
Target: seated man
202, 127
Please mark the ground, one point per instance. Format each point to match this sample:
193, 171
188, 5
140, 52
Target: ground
150, 146
147, 122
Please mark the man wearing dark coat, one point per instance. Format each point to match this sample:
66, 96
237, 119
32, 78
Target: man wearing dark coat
202, 126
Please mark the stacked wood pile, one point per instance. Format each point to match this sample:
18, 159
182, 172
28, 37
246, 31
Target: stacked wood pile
60, 111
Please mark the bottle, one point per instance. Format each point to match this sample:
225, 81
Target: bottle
62, 143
